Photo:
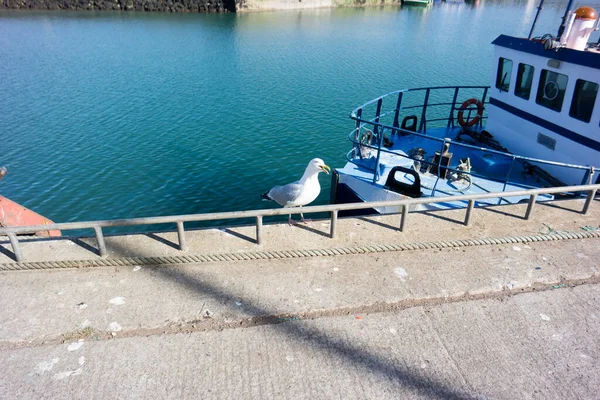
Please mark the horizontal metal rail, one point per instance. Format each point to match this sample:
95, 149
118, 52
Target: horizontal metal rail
333, 209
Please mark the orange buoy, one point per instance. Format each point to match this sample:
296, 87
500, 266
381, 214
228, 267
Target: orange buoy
463, 107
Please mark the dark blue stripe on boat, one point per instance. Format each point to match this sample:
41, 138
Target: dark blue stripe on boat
576, 137
585, 58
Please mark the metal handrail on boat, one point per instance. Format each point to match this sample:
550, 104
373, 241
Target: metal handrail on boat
375, 125
333, 209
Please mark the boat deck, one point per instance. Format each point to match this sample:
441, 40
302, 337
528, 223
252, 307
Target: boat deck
491, 172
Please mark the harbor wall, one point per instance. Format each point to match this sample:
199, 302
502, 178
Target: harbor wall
203, 6
264, 5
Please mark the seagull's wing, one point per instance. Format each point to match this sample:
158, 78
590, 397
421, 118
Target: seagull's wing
286, 194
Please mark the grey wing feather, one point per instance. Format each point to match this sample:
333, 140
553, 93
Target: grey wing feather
285, 194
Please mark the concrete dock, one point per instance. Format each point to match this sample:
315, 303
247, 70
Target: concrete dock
504, 308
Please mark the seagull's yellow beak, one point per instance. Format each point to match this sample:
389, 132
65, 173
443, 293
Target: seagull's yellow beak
325, 168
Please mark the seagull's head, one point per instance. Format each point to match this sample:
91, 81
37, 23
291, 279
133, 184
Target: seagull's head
317, 165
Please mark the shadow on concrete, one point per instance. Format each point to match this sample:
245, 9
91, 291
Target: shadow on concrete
163, 240
7, 252
379, 223
85, 245
497, 210
424, 385
239, 235
557, 205
316, 231
443, 218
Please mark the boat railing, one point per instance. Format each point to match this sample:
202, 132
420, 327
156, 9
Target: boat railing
333, 209
436, 111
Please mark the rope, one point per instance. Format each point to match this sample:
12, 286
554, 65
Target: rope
289, 254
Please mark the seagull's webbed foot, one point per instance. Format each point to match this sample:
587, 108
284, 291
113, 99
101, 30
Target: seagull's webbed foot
291, 221
305, 221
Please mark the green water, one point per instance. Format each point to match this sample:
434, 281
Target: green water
115, 115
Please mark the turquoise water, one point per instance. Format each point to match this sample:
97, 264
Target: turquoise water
115, 115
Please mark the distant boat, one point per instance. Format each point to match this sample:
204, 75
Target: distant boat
417, 2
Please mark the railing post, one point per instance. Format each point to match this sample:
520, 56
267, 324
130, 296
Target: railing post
397, 114
452, 108
379, 136
469, 212
530, 206
181, 236
422, 125
588, 201
358, 122
14, 242
512, 163
259, 226
334, 217
404, 217
100, 240
483, 103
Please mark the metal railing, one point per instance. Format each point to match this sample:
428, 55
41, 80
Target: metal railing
333, 209
443, 115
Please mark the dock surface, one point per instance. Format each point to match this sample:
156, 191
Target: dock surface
503, 308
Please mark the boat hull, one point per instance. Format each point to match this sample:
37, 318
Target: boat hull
14, 214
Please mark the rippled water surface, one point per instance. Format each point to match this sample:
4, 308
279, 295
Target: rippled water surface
111, 115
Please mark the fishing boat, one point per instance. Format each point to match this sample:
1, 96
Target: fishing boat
537, 125
417, 2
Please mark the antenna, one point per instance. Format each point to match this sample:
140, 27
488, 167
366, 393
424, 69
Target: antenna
537, 14
561, 29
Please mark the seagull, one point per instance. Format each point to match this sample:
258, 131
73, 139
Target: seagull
302, 192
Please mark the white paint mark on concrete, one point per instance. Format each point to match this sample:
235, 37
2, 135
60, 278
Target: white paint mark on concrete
117, 301
81, 360
401, 273
65, 374
393, 331
60, 292
544, 259
545, 317
318, 289
336, 269
423, 365
289, 358
45, 366
516, 248
237, 303
527, 247
75, 346
136, 268
86, 323
296, 301
82, 306
115, 327
585, 356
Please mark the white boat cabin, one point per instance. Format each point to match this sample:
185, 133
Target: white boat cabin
544, 96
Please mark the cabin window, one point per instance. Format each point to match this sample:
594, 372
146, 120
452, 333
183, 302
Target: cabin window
584, 99
551, 91
524, 81
503, 76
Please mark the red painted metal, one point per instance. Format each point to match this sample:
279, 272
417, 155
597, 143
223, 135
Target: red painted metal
14, 214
